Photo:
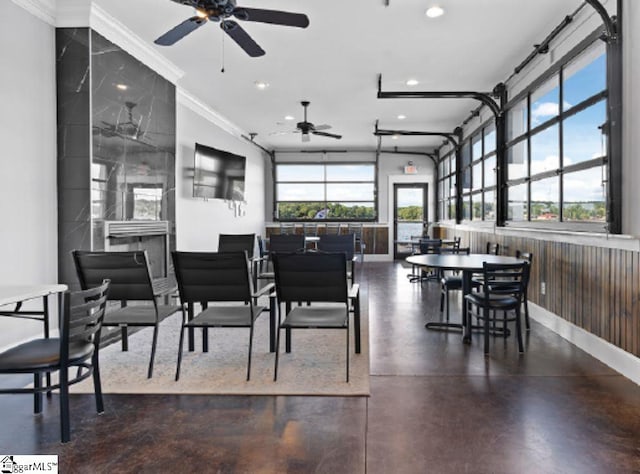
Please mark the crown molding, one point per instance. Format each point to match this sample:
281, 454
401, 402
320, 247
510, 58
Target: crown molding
116, 32
196, 105
45, 10
84, 13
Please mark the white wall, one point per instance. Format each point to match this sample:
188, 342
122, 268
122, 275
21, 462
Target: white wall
198, 222
28, 206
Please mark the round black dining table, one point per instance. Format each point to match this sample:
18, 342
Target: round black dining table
468, 265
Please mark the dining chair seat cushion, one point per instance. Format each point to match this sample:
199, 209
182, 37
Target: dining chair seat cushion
225, 316
452, 282
41, 354
498, 302
137, 314
316, 317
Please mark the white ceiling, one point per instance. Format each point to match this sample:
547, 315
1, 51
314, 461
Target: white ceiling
335, 62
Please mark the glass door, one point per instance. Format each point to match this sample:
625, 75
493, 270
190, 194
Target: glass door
409, 216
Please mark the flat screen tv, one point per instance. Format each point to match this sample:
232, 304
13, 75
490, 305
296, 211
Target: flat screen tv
218, 174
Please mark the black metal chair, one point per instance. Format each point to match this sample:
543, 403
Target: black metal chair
130, 276
450, 282
344, 243
426, 246
263, 268
502, 290
81, 316
316, 277
528, 256
205, 277
237, 243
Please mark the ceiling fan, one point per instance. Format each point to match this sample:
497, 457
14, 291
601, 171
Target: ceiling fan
306, 128
221, 11
130, 128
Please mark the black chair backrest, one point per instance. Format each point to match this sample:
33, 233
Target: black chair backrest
237, 243
528, 256
493, 249
128, 272
212, 276
429, 246
501, 279
345, 243
455, 250
311, 276
286, 243
82, 314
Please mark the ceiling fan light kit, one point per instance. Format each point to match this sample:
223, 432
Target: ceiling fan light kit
221, 11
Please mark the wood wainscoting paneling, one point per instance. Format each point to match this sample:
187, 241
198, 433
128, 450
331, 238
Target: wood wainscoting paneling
594, 287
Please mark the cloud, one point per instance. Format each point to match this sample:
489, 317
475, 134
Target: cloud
544, 110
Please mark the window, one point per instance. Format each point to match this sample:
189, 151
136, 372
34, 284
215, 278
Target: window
147, 203
340, 191
447, 188
479, 174
556, 153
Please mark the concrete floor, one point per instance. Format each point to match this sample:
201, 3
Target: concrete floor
436, 406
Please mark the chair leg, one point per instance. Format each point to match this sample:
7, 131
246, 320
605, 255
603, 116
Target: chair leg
348, 345
154, 343
356, 323
486, 330
37, 395
526, 310
250, 346
448, 303
442, 292
180, 352
275, 370
64, 405
519, 330
125, 339
97, 383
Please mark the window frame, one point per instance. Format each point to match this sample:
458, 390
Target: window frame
325, 182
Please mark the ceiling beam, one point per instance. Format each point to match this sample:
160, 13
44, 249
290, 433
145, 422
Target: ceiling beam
485, 97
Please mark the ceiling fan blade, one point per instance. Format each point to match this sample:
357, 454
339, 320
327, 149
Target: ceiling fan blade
325, 134
241, 37
322, 127
306, 137
275, 17
180, 31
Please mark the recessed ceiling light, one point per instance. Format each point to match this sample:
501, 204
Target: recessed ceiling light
402, 117
261, 85
289, 117
435, 11
394, 137
412, 82
122, 87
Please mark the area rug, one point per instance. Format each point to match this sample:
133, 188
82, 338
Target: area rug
315, 366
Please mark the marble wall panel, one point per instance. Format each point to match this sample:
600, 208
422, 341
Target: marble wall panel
116, 144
